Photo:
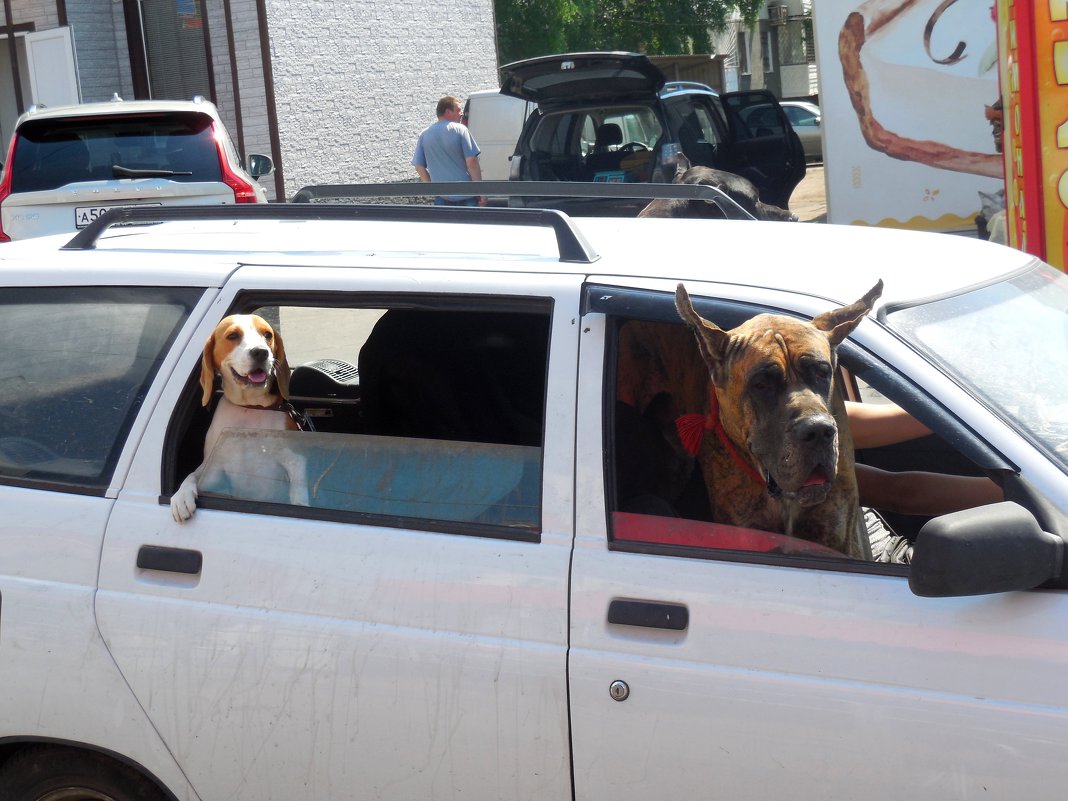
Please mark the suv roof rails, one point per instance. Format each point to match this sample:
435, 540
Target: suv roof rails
572, 245
556, 189
676, 86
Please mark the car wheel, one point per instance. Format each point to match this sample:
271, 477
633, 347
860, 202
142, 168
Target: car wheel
54, 773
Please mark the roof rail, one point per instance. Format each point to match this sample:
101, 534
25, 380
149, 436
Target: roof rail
572, 245
522, 189
674, 86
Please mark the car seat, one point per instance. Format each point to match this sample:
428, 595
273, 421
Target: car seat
465, 376
601, 158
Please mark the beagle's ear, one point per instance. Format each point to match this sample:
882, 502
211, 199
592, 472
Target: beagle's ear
207, 370
281, 366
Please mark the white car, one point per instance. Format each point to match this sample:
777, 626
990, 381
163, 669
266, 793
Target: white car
68, 165
467, 609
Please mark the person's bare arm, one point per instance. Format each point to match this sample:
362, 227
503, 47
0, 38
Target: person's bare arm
424, 175
919, 493
874, 425
474, 169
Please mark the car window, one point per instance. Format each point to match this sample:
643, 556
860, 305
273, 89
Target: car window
659, 494
51, 153
800, 116
75, 364
698, 131
423, 417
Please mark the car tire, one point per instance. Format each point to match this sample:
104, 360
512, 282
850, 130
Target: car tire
56, 773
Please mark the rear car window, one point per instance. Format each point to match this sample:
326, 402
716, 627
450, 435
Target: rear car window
430, 418
75, 364
51, 153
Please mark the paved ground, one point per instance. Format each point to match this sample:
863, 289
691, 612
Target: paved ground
809, 200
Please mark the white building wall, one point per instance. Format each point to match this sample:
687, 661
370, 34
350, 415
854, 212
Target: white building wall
357, 80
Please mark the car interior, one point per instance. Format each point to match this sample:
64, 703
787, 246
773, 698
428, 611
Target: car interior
417, 379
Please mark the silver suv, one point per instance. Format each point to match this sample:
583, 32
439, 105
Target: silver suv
67, 165
614, 118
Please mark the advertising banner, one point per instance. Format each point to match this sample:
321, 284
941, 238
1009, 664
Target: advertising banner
1033, 37
905, 87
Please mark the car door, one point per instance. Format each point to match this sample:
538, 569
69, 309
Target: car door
763, 146
383, 645
731, 673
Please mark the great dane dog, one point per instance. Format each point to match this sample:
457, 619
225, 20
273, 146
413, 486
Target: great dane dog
774, 445
741, 190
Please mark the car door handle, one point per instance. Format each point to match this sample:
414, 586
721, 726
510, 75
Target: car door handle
169, 560
649, 614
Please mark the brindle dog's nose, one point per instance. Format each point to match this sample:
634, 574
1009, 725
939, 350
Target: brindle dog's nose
815, 430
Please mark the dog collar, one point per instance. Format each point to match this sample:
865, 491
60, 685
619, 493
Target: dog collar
692, 427
303, 422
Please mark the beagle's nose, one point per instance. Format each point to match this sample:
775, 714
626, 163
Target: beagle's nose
259, 354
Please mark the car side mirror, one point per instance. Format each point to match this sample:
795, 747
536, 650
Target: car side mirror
259, 165
988, 549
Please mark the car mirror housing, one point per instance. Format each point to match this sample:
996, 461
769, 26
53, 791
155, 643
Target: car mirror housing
259, 165
989, 549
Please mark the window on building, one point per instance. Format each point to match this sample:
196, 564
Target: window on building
168, 52
767, 54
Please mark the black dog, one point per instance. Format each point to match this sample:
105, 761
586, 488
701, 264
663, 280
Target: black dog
740, 190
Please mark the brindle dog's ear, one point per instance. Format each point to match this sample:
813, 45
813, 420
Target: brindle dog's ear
281, 366
207, 370
839, 323
711, 339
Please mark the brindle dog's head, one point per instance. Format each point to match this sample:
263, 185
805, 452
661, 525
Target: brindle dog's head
774, 376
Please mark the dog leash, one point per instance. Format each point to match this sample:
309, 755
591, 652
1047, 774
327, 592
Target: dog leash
303, 422
691, 429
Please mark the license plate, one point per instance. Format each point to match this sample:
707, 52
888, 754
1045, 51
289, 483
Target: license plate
84, 215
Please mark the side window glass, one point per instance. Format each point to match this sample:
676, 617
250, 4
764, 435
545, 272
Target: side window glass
422, 418
75, 366
721, 500
697, 132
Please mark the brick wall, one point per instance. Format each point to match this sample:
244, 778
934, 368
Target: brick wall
356, 81
100, 44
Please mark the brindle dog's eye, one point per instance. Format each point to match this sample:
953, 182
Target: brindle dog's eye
765, 381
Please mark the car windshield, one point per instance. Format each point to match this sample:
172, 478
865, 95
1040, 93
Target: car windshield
1007, 343
51, 153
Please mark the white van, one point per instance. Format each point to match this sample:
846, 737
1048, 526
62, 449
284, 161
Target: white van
496, 121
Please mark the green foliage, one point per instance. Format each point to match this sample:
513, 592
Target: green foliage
528, 28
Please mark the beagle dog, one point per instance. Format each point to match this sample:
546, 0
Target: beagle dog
250, 358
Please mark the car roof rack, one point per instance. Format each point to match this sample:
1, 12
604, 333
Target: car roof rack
554, 189
678, 86
572, 245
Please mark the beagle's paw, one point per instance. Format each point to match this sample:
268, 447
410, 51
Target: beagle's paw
184, 503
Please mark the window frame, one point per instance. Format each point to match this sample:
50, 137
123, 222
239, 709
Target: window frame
181, 423
187, 297
620, 305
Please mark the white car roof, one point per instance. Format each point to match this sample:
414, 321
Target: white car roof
118, 107
834, 262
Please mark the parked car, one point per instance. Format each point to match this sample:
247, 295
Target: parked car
466, 607
69, 164
495, 121
613, 117
805, 119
